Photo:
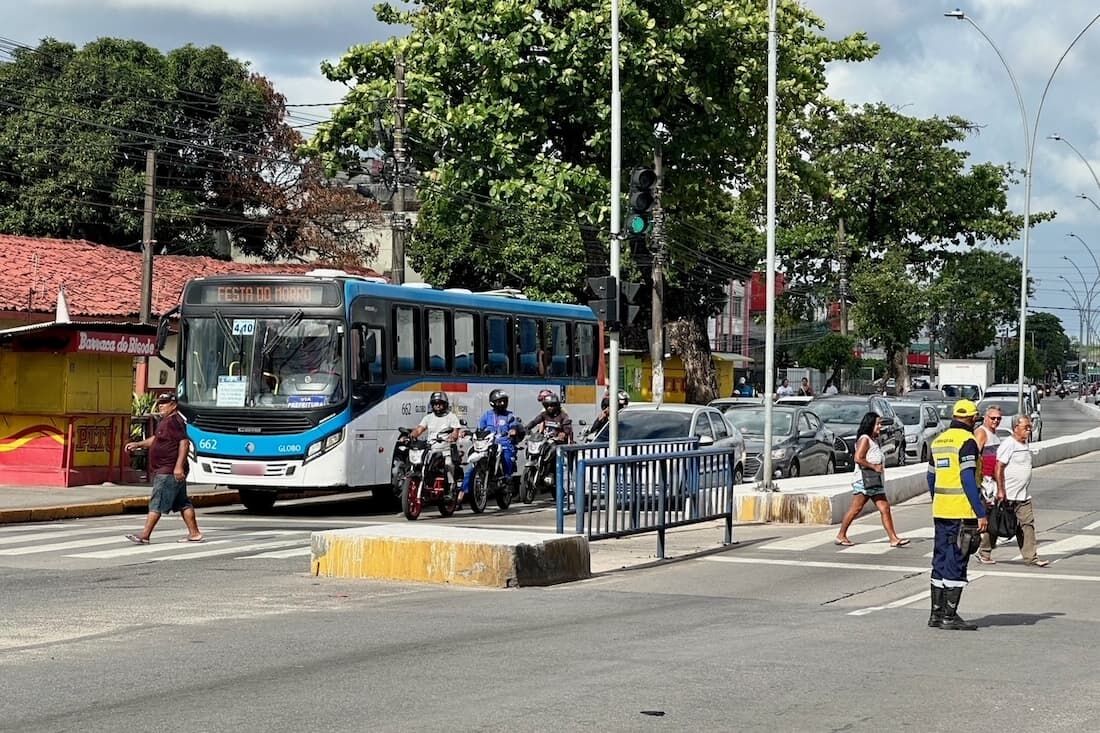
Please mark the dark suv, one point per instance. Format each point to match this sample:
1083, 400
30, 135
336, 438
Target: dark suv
842, 414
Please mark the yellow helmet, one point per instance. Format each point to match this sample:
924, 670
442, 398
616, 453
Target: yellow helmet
965, 408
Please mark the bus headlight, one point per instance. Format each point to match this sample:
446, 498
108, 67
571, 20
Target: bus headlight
324, 445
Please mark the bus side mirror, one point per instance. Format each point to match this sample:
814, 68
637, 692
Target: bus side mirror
164, 330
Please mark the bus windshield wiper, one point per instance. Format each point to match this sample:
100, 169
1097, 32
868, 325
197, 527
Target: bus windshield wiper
290, 324
237, 341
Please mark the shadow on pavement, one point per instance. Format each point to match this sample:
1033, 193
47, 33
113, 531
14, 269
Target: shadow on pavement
1013, 619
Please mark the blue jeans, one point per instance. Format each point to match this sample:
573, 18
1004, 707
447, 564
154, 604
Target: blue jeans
507, 459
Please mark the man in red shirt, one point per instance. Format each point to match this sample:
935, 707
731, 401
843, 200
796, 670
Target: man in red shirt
168, 463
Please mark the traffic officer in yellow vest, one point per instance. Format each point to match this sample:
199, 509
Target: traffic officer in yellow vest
958, 513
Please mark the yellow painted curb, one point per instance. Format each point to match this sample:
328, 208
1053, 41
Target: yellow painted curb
469, 557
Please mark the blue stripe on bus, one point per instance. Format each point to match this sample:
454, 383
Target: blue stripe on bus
473, 301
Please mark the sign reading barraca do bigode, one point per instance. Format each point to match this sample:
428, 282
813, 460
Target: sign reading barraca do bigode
116, 343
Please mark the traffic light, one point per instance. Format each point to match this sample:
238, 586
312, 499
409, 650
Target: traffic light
606, 306
639, 218
627, 310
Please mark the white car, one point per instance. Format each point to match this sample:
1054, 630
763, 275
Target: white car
1008, 405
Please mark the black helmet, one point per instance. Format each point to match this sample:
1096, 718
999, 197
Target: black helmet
498, 400
437, 399
551, 403
624, 398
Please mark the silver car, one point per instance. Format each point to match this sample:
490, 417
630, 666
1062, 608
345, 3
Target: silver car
922, 425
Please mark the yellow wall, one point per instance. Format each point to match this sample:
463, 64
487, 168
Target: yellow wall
638, 378
59, 384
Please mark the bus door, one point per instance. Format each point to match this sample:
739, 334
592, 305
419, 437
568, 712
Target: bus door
368, 454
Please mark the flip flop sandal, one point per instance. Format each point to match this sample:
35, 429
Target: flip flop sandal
900, 543
137, 540
200, 538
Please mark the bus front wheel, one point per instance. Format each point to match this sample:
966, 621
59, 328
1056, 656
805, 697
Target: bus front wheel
257, 501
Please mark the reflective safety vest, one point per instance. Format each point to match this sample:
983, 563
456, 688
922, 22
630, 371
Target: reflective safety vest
950, 500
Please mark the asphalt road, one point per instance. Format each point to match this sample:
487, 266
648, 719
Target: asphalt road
782, 632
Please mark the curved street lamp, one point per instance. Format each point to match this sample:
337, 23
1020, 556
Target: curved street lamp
1084, 160
1029, 145
1088, 198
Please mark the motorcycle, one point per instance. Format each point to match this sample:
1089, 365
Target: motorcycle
541, 465
431, 478
488, 478
1061, 394
399, 466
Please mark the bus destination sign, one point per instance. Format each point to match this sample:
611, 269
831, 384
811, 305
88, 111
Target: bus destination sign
264, 293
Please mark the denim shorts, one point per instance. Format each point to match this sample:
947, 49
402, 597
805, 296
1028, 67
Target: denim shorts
169, 494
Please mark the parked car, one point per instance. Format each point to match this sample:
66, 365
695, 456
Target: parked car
801, 445
794, 400
648, 421
932, 395
842, 413
922, 425
1008, 407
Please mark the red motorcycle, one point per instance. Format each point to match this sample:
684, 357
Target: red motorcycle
432, 477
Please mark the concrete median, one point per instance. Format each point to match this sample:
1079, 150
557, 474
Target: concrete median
454, 555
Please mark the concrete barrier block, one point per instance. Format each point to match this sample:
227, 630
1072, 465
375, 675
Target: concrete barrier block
439, 554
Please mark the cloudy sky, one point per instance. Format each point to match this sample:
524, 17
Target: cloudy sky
928, 65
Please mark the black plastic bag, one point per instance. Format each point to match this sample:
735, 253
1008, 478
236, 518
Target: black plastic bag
1002, 521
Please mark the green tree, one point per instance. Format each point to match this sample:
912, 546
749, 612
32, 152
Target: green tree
1052, 345
975, 293
890, 308
831, 353
75, 125
508, 107
1008, 362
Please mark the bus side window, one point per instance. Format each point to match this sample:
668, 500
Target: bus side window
366, 354
498, 345
530, 351
406, 354
436, 341
584, 351
465, 343
557, 342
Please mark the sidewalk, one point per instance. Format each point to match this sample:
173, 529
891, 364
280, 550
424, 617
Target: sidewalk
46, 503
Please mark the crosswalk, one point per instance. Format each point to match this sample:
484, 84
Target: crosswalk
921, 543
106, 542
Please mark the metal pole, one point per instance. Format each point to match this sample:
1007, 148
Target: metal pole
769, 322
397, 225
1029, 140
616, 193
842, 257
147, 237
657, 342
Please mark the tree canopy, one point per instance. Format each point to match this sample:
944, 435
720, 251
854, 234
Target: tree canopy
509, 108
75, 125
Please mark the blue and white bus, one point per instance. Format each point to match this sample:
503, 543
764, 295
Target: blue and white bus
291, 382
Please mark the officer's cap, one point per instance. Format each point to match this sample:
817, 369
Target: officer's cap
965, 408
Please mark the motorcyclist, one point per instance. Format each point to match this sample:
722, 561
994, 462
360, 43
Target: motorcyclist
553, 421
508, 429
605, 412
440, 418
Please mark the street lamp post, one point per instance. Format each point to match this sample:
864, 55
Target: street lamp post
1088, 198
1084, 160
1029, 146
769, 269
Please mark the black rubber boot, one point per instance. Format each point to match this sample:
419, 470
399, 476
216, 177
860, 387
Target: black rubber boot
935, 620
952, 621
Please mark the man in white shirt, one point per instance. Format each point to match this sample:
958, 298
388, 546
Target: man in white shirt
784, 390
1013, 474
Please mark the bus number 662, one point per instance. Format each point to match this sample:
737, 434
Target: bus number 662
208, 444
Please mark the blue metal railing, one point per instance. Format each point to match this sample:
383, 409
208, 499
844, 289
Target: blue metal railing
616, 496
569, 455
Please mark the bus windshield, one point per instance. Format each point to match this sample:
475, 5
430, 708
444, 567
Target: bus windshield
285, 362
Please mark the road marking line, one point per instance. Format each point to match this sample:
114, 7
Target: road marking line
893, 604
819, 564
814, 539
229, 550
1068, 546
55, 546
130, 549
1094, 525
19, 539
1037, 573
279, 554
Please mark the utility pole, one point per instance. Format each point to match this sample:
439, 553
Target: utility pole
842, 258
397, 268
657, 341
147, 237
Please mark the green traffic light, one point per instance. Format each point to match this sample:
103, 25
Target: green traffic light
636, 224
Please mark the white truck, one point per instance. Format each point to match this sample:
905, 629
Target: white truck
965, 378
